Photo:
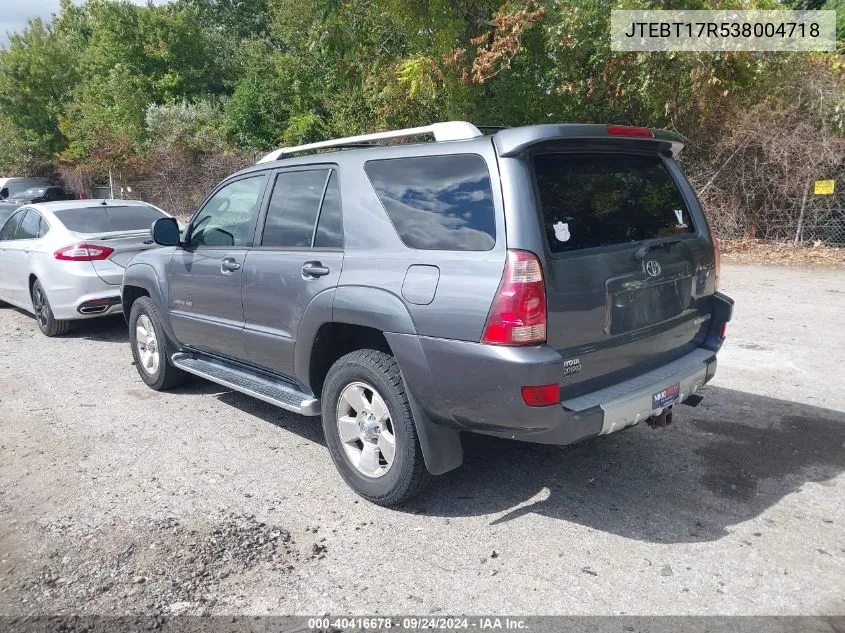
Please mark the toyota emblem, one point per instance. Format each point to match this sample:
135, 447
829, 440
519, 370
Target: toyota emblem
652, 268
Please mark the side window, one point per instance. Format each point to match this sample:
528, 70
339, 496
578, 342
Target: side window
28, 228
330, 224
227, 218
4, 193
8, 230
437, 202
292, 212
43, 227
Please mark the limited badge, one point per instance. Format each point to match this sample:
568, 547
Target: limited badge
679, 215
562, 231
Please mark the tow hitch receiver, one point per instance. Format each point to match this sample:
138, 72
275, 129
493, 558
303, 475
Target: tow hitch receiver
661, 421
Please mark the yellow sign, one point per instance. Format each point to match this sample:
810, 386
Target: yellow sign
824, 188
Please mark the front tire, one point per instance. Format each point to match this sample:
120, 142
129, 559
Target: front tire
370, 429
47, 323
150, 348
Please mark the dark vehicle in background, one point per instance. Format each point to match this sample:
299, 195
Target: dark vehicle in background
549, 283
32, 195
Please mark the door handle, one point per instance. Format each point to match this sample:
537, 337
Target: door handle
314, 269
229, 265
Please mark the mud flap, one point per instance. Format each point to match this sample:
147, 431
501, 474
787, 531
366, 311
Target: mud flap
441, 446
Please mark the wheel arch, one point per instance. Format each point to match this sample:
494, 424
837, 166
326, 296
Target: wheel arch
141, 280
344, 319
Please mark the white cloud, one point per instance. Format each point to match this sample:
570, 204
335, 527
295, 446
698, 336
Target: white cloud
14, 14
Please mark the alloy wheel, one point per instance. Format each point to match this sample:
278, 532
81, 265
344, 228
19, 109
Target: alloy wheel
366, 429
39, 303
147, 345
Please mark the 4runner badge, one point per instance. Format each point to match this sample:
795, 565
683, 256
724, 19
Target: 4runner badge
571, 366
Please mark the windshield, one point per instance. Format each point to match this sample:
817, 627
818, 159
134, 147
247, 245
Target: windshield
32, 192
108, 219
591, 200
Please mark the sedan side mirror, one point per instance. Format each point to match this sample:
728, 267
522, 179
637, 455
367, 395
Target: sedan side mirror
165, 232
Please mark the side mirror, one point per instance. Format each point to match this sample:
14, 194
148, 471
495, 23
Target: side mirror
165, 232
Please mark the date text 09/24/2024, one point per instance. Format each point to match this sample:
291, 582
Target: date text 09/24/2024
416, 623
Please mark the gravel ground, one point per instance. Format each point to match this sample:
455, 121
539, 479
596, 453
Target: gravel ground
115, 499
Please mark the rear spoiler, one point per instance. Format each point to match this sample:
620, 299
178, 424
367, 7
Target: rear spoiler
514, 141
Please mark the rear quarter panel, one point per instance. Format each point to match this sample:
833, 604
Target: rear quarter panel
376, 256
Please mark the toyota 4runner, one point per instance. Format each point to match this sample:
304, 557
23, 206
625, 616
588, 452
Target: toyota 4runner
548, 283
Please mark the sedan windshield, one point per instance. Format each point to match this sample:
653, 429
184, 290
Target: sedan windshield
108, 219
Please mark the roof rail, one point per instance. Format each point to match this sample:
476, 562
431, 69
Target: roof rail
446, 131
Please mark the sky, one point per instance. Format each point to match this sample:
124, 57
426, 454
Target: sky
14, 14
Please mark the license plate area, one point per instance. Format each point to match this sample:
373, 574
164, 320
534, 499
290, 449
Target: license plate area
664, 398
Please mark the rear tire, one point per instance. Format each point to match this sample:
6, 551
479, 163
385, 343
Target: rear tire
370, 429
150, 348
47, 323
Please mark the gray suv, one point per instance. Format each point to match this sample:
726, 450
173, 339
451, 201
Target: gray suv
547, 283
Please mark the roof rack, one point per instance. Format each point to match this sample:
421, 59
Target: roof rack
446, 131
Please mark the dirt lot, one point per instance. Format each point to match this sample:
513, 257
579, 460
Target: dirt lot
117, 499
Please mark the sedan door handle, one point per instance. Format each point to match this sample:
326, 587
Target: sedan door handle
229, 265
314, 269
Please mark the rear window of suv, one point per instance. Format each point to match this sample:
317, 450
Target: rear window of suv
106, 219
437, 202
591, 200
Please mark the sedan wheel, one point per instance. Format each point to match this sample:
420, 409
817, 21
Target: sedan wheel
39, 303
47, 323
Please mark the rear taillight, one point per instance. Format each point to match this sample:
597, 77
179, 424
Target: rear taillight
717, 260
518, 314
626, 130
83, 253
724, 331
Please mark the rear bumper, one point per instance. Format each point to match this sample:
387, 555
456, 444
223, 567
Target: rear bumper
632, 401
474, 387
75, 284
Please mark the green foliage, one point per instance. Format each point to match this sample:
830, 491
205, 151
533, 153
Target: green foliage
198, 127
108, 82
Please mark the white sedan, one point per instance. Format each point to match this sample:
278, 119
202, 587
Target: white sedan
64, 261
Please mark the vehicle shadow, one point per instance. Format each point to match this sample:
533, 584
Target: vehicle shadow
110, 329
718, 465
309, 428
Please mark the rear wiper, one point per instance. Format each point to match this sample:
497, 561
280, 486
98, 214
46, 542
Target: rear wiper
645, 248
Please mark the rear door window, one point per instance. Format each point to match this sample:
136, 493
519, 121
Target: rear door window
330, 224
292, 211
590, 200
108, 219
437, 202
28, 228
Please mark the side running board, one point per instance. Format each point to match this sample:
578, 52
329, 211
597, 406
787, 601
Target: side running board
275, 391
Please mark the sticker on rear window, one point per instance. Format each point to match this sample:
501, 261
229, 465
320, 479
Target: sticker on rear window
562, 231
